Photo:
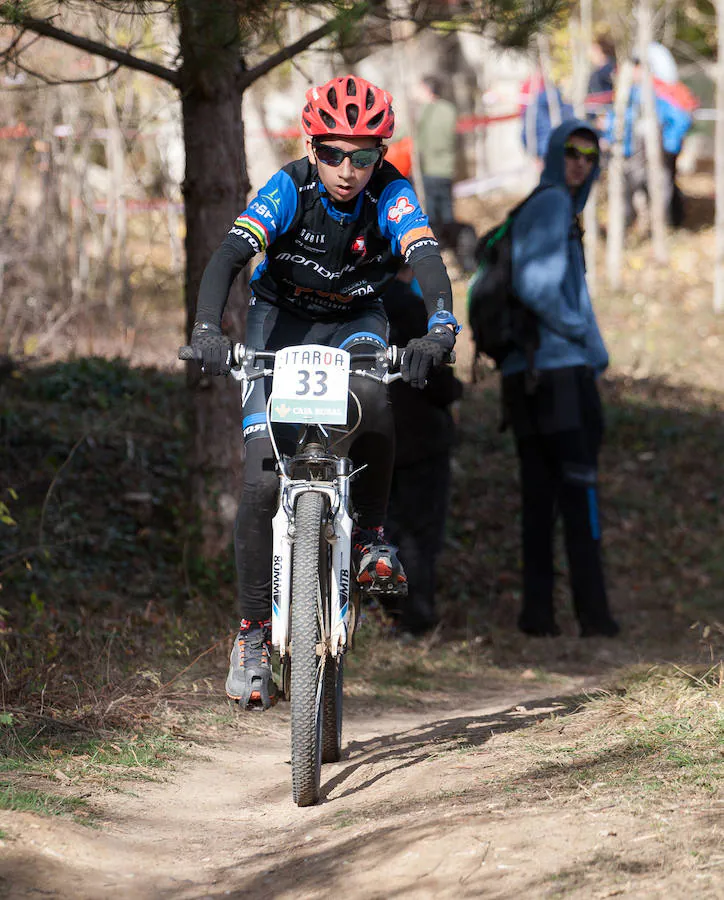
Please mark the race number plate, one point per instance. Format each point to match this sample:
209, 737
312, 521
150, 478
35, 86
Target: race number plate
310, 385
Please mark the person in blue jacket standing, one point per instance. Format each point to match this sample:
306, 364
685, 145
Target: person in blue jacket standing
555, 410
674, 111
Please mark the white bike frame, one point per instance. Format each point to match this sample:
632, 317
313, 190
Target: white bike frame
339, 527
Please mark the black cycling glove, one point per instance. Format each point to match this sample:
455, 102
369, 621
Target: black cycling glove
212, 348
422, 354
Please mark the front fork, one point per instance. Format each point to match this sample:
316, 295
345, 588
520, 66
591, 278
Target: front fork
338, 535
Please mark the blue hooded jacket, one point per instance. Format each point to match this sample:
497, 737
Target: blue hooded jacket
674, 123
549, 273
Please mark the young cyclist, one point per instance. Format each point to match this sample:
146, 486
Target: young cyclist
335, 226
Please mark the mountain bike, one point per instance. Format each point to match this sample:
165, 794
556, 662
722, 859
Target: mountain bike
315, 600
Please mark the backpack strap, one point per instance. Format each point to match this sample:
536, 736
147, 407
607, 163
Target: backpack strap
538, 189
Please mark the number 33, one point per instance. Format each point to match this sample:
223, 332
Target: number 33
304, 386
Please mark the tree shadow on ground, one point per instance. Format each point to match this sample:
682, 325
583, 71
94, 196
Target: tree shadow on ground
418, 744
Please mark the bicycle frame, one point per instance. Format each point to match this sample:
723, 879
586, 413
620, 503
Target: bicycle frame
339, 536
334, 485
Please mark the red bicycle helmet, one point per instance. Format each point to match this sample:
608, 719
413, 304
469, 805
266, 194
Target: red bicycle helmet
349, 107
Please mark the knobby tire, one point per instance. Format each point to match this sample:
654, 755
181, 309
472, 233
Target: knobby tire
332, 720
309, 579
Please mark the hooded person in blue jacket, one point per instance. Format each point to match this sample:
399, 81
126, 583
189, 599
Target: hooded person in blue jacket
556, 415
675, 105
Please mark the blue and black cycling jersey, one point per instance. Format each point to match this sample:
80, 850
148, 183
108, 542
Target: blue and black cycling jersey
325, 261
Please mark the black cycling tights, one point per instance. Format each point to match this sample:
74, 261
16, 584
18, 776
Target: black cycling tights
372, 443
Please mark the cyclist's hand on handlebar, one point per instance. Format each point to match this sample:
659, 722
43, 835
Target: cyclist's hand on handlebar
425, 353
211, 348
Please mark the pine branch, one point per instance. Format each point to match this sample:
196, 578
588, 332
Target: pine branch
290, 51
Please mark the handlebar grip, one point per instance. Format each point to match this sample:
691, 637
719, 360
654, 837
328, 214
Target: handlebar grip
186, 353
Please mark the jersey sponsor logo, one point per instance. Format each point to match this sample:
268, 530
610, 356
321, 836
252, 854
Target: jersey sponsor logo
274, 198
249, 237
359, 246
418, 245
313, 241
312, 237
403, 207
254, 227
307, 187
261, 209
417, 236
323, 297
303, 261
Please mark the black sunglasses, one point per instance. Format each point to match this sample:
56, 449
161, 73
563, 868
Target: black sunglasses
360, 159
587, 153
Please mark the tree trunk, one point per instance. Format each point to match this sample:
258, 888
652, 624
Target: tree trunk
719, 157
652, 137
402, 29
214, 189
616, 210
582, 37
554, 106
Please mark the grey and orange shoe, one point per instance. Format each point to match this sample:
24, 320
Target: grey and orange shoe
378, 568
250, 679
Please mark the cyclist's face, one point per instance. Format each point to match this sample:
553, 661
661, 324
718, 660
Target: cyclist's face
343, 182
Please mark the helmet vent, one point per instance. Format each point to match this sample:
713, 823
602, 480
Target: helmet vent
370, 101
332, 97
351, 88
375, 120
327, 119
352, 111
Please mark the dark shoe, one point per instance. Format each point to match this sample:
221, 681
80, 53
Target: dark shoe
604, 628
250, 679
538, 629
379, 571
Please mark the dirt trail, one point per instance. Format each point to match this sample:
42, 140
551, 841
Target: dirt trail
418, 807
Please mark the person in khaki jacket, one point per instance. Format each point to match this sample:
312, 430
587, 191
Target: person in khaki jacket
435, 140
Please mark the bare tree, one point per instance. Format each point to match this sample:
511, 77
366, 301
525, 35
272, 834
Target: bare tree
719, 157
652, 136
211, 79
582, 31
616, 207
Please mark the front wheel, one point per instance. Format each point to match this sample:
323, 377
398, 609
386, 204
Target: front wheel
310, 659
332, 720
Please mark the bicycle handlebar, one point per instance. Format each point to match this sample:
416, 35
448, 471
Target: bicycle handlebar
393, 354
241, 353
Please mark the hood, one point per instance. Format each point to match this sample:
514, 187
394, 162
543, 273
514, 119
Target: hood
554, 170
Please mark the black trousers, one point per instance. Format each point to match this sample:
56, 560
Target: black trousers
559, 430
372, 444
416, 525
636, 179
438, 199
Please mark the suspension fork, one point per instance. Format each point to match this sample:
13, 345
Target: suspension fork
338, 535
282, 540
